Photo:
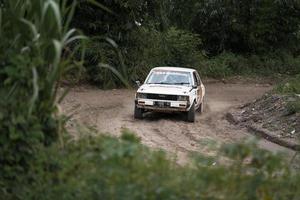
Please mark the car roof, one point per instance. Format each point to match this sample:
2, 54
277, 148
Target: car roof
182, 69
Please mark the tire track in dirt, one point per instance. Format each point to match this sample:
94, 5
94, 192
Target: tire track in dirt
164, 136
111, 111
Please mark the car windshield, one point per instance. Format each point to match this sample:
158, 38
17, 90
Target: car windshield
170, 77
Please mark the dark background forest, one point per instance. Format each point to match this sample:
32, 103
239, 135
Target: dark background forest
219, 38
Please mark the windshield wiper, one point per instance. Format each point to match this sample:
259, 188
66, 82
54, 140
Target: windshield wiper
182, 83
160, 83
166, 83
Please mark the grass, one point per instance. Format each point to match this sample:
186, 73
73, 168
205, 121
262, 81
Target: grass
228, 64
292, 86
294, 107
292, 89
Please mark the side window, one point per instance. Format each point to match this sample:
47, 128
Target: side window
199, 79
196, 79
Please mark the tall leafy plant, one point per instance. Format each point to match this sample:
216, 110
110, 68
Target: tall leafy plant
33, 58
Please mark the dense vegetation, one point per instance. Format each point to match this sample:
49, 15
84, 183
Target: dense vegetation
219, 38
108, 168
33, 35
38, 49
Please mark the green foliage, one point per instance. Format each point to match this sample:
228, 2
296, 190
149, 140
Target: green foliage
132, 62
183, 48
290, 87
147, 48
293, 107
150, 48
142, 38
33, 34
110, 168
115, 24
219, 67
99, 50
128, 136
241, 27
263, 37
229, 64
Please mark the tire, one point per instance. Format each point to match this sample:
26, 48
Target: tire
201, 107
190, 115
138, 113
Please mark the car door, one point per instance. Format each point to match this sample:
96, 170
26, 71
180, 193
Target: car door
197, 83
202, 88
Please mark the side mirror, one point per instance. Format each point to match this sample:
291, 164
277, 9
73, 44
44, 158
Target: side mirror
194, 86
138, 83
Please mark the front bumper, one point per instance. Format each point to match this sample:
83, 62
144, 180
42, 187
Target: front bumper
162, 105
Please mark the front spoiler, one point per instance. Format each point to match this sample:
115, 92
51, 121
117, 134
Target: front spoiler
161, 109
158, 109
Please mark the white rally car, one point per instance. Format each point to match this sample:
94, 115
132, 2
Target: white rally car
170, 89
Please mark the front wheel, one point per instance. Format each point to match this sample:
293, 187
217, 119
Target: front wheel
190, 115
138, 113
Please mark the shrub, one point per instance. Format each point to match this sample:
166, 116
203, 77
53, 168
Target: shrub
277, 62
99, 50
292, 86
32, 42
293, 107
291, 89
132, 62
229, 64
146, 48
146, 51
183, 48
152, 48
224, 65
110, 168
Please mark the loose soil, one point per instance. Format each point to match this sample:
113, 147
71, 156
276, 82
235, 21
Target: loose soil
111, 111
272, 116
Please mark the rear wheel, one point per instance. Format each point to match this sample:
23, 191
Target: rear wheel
138, 112
201, 107
190, 115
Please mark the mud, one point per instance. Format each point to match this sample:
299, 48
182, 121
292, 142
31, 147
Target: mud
112, 110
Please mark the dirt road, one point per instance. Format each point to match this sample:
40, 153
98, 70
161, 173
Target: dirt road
112, 110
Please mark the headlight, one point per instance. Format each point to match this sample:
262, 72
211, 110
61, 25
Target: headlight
183, 98
141, 96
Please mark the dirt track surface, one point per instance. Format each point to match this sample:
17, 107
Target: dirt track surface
111, 111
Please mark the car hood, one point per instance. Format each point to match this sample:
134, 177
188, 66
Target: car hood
165, 89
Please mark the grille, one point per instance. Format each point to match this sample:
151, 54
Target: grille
162, 97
